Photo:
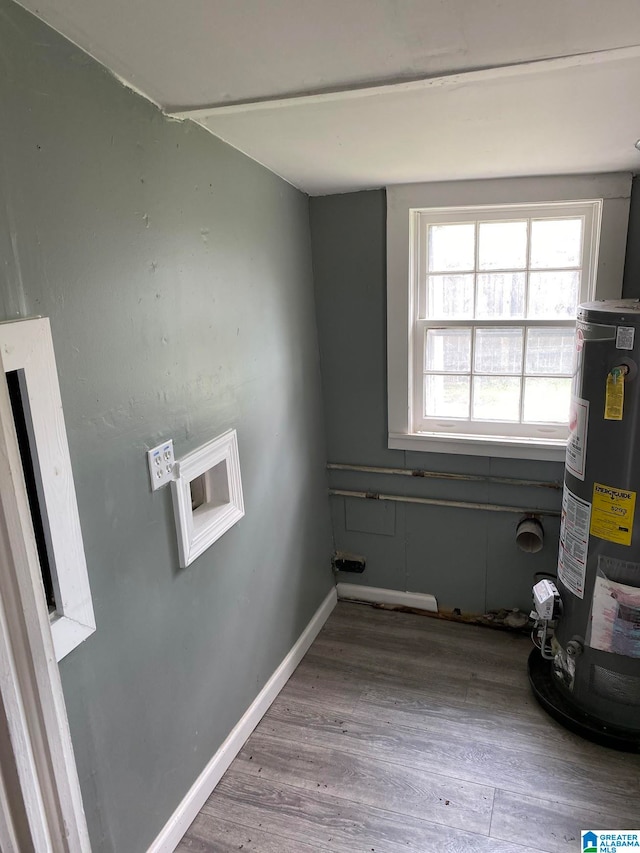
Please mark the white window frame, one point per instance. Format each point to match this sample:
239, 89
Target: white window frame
590, 213
27, 346
404, 205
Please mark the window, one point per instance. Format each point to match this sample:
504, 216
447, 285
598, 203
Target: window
487, 346
495, 297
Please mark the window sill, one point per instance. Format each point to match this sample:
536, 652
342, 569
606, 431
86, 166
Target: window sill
547, 450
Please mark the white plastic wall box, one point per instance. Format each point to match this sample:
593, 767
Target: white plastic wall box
221, 504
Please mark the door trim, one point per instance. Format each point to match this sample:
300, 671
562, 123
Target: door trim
27, 347
30, 683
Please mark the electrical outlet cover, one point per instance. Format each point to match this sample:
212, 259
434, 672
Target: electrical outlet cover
161, 464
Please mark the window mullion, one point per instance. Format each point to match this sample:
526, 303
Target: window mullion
527, 284
506, 322
472, 372
423, 269
528, 271
525, 345
420, 229
476, 262
419, 372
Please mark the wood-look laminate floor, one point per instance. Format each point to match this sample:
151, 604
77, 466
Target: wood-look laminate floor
401, 732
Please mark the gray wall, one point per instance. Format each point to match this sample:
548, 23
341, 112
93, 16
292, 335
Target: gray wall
631, 287
177, 276
466, 558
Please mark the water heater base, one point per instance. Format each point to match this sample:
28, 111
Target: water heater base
562, 710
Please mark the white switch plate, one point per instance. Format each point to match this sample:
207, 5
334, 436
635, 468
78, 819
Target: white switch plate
161, 464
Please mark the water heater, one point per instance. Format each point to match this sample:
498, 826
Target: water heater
586, 672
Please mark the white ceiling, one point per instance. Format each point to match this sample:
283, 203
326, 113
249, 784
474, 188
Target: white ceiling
346, 118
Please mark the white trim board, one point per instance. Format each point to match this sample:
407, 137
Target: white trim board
613, 188
31, 694
27, 347
199, 793
377, 595
454, 78
218, 461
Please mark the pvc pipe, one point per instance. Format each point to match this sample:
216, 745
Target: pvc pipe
530, 535
443, 475
378, 496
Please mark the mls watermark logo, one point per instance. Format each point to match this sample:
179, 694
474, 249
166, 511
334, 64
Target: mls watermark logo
589, 842
607, 841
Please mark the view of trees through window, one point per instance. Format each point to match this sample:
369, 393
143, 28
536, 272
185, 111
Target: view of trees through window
499, 301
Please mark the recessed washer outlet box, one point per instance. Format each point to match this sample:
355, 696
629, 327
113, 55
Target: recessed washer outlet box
207, 495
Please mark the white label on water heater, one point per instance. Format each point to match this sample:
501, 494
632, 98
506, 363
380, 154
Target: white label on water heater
624, 337
614, 618
574, 542
577, 441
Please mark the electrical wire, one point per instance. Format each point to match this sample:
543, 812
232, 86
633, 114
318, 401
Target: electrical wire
547, 655
541, 642
534, 639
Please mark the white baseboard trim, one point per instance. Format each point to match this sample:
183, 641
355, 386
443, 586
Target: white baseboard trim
201, 789
377, 595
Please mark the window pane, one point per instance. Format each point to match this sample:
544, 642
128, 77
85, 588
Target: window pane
550, 351
446, 396
500, 295
556, 243
496, 398
546, 400
450, 296
448, 349
502, 245
452, 247
498, 351
553, 294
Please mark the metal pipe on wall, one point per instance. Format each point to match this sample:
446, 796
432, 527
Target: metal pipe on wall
379, 496
444, 475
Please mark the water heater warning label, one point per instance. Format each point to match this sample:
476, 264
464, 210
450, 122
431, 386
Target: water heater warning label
612, 515
574, 542
615, 613
624, 337
577, 441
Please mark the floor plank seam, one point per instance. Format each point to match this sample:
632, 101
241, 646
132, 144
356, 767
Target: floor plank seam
571, 804
428, 823
493, 806
378, 760
258, 828
484, 745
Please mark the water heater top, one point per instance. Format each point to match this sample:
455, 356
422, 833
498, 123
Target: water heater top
614, 310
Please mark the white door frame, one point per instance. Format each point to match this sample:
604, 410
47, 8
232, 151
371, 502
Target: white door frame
27, 347
30, 685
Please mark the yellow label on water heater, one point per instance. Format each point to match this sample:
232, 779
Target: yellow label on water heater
614, 397
612, 514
